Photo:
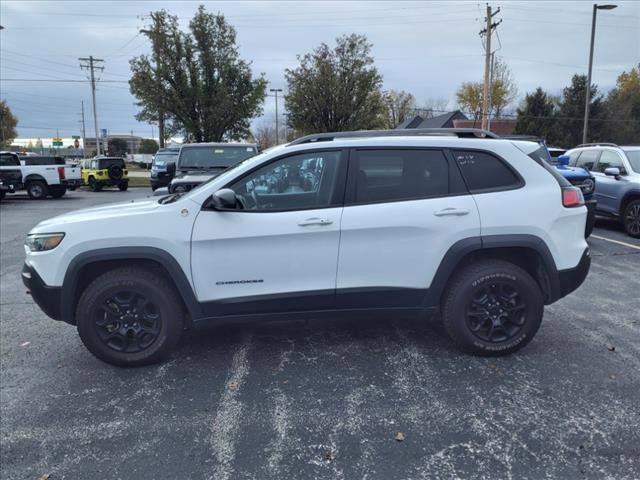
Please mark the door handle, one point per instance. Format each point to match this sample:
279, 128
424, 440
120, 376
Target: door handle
458, 212
315, 221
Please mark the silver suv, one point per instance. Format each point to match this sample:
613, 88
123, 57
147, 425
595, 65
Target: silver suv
617, 169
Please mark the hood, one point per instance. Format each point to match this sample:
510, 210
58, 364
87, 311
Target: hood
98, 214
572, 172
196, 176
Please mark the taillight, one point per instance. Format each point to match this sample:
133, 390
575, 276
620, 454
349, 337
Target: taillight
61, 173
572, 197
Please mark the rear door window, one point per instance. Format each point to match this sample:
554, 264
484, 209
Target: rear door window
483, 171
387, 175
587, 159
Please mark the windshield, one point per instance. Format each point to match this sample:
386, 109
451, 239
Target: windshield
227, 174
214, 156
161, 159
634, 159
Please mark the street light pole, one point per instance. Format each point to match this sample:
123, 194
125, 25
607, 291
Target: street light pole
585, 127
276, 90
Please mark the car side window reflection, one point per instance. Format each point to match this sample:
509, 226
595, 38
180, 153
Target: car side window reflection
292, 183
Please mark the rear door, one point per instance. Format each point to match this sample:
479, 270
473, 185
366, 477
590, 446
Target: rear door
403, 210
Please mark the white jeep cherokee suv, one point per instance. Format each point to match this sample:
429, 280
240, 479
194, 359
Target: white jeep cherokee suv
478, 229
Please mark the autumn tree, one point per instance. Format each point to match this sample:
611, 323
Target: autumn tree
622, 108
336, 89
400, 105
8, 124
196, 79
503, 92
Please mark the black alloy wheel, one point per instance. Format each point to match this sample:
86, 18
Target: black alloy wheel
632, 219
496, 313
127, 322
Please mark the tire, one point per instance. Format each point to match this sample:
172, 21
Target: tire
37, 189
515, 311
94, 186
57, 192
631, 219
124, 339
123, 186
2, 194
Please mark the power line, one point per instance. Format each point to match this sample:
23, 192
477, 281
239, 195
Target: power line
59, 80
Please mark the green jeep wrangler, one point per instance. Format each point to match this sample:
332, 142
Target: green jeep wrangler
102, 172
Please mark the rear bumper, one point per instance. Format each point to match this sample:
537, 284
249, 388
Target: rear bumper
572, 278
46, 297
71, 184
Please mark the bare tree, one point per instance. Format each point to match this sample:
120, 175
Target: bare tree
265, 133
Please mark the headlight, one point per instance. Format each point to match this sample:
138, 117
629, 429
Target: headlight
41, 242
588, 186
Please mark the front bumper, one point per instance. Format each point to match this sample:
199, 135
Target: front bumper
572, 278
46, 297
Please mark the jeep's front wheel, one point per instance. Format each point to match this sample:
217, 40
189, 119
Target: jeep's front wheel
631, 219
492, 308
130, 316
94, 186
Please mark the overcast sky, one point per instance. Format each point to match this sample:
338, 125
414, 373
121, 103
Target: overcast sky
426, 48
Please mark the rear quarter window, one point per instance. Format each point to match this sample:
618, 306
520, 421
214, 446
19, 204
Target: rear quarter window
483, 171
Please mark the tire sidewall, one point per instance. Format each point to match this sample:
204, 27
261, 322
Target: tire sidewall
624, 218
164, 301
42, 190
459, 302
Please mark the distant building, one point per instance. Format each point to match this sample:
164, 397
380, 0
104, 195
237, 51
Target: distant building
133, 142
446, 120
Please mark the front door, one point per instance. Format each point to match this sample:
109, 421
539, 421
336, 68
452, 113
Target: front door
278, 250
608, 188
404, 209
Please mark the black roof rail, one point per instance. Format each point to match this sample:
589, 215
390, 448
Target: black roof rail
597, 144
408, 132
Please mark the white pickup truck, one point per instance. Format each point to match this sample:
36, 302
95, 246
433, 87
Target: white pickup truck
42, 176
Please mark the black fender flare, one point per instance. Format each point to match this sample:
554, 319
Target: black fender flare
462, 248
156, 255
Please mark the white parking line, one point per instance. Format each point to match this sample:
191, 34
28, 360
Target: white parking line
615, 241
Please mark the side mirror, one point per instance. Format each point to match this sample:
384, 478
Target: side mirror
171, 169
224, 199
564, 160
612, 172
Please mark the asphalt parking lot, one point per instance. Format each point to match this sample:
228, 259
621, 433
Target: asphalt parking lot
325, 399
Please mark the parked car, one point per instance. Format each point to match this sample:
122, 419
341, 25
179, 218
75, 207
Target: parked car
159, 175
617, 172
42, 175
200, 162
412, 221
103, 172
9, 179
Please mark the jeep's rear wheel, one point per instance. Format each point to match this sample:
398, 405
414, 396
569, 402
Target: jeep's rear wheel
123, 186
37, 189
631, 219
130, 316
492, 308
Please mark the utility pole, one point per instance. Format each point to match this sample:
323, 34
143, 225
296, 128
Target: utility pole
84, 130
276, 90
488, 30
91, 66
